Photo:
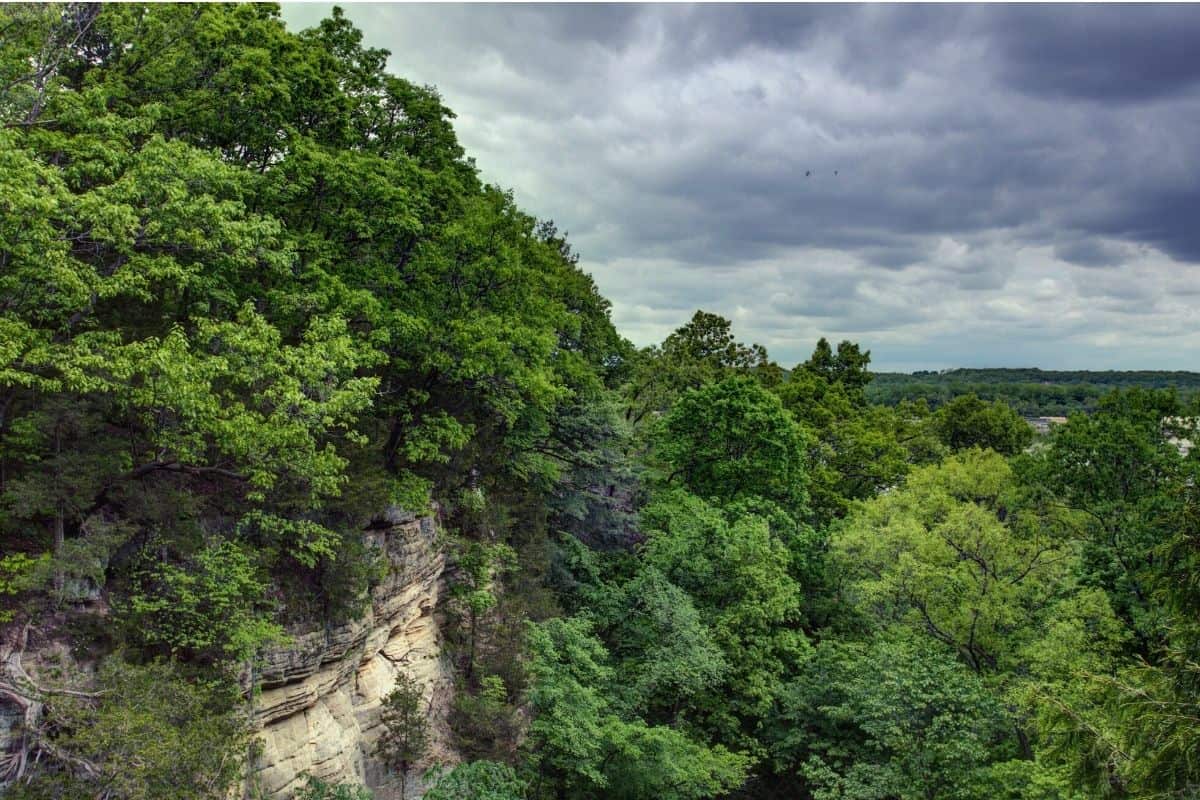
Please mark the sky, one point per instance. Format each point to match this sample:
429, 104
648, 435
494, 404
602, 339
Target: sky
945, 185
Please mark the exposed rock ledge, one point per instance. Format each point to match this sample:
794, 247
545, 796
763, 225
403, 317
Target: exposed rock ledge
319, 705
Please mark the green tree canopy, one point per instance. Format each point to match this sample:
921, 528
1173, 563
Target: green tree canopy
891, 718
732, 440
967, 422
582, 747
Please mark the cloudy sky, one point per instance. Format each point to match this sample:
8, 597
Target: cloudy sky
947, 185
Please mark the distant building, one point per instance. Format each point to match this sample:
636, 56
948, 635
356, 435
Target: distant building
1180, 432
1042, 425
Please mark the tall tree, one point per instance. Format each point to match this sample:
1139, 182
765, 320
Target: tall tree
404, 739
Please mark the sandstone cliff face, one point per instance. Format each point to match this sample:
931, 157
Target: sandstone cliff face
319, 706
318, 711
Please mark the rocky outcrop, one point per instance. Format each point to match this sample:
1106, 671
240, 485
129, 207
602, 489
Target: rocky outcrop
319, 704
317, 709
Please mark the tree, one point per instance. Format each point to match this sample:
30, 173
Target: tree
701, 352
404, 739
892, 717
485, 724
738, 573
1126, 725
963, 556
732, 440
208, 611
254, 291
952, 554
967, 422
316, 789
665, 657
1118, 471
582, 747
855, 450
478, 565
848, 367
151, 731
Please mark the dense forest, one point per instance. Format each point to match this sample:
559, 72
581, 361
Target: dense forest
1032, 392
253, 292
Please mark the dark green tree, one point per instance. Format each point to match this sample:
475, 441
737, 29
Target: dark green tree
890, 718
967, 422
701, 352
477, 780
847, 367
582, 746
404, 739
732, 440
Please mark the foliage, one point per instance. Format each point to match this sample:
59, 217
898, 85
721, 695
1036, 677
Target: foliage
695, 355
1030, 392
151, 732
478, 565
891, 718
477, 780
847, 367
737, 573
665, 657
404, 739
967, 422
210, 610
1126, 725
582, 747
315, 789
951, 555
484, 720
16, 570
856, 450
733, 440
253, 292
1119, 470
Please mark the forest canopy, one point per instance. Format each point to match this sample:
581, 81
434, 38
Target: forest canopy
253, 294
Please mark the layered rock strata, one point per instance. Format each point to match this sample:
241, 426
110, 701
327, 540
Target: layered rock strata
319, 708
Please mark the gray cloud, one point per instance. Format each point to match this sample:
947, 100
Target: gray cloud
1110, 53
950, 185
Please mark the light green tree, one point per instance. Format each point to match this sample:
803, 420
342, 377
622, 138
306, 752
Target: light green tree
950, 554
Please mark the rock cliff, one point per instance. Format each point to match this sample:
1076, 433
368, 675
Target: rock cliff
319, 706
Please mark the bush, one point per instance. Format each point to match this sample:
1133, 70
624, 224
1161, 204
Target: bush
477, 780
316, 789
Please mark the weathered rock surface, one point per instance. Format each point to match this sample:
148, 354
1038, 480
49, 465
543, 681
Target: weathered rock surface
319, 707
318, 711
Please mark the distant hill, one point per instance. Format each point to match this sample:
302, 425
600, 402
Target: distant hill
1031, 391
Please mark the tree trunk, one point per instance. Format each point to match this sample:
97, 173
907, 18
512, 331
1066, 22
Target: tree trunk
60, 538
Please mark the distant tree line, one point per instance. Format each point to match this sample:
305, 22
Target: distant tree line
1031, 392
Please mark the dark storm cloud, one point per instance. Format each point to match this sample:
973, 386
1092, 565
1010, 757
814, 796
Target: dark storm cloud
1108, 53
1091, 252
951, 184
1168, 218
